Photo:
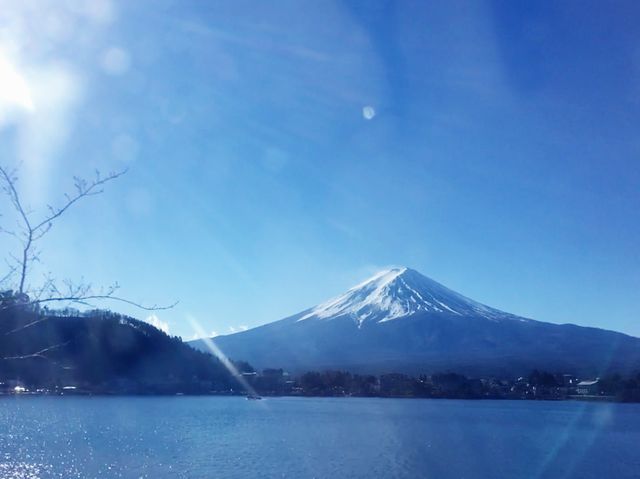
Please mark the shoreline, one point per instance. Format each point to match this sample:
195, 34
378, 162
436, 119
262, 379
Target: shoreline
572, 398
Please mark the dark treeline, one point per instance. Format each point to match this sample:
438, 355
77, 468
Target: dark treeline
342, 383
538, 385
623, 389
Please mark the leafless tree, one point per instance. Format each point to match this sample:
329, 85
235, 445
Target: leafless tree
30, 229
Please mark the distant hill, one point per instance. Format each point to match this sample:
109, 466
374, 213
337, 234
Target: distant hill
402, 321
102, 351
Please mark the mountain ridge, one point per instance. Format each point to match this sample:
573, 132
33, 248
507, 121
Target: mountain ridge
402, 321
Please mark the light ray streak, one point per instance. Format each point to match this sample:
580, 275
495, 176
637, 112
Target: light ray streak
217, 352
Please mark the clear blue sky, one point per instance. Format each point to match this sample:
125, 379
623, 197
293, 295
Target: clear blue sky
280, 152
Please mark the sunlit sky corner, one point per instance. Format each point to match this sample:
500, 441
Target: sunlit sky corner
280, 153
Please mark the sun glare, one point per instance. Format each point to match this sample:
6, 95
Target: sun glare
14, 90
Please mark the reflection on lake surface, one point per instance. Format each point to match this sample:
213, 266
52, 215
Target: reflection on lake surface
153, 437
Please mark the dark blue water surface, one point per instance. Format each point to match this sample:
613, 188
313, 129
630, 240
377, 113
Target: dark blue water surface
231, 437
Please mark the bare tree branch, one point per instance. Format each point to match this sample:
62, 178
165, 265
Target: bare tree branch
29, 232
10, 188
6, 277
32, 232
28, 325
81, 293
83, 300
39, 354
83, 189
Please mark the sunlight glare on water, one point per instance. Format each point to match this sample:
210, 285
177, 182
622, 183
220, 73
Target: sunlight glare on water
194, 437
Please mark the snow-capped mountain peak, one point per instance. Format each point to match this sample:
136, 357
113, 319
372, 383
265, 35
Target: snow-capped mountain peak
395, 293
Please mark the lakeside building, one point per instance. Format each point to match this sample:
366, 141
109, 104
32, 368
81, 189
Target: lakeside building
588, 388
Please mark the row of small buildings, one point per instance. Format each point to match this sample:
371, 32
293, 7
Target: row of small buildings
279, 382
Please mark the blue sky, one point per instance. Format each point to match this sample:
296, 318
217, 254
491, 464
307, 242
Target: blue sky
280, 152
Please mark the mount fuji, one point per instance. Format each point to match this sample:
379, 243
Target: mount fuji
401, 321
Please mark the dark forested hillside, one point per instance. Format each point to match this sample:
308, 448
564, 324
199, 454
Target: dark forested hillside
104, 352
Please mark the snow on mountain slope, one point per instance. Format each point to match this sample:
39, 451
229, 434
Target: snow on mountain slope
397, 293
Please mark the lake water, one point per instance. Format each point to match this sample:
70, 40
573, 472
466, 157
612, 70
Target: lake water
230, 437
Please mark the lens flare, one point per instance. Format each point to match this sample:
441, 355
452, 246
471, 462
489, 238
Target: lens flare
217, 352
